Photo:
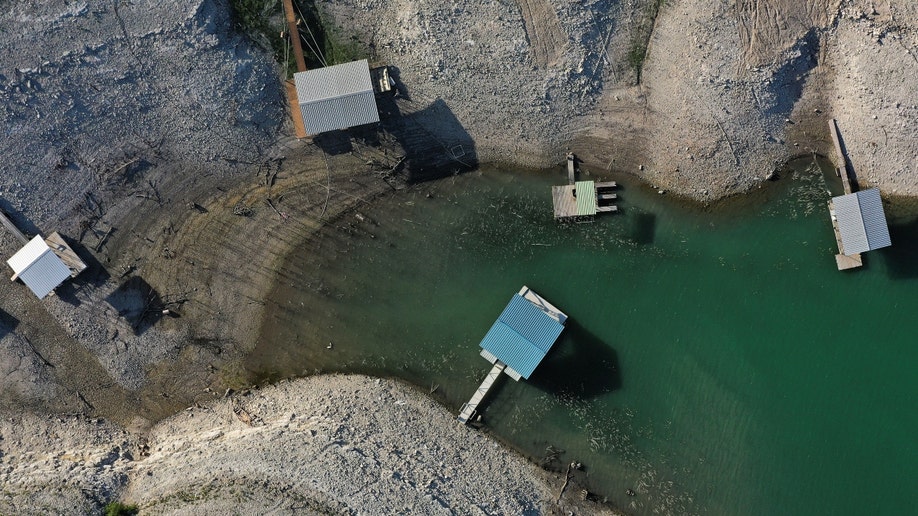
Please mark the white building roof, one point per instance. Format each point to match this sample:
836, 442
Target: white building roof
336, 97
38, 267
861, 221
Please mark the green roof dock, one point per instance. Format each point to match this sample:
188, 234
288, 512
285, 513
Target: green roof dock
581, 200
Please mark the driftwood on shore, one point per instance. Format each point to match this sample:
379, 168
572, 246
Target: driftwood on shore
567, 479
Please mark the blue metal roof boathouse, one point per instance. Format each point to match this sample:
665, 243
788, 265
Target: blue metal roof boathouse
517, 342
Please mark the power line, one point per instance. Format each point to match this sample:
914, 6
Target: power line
317, 50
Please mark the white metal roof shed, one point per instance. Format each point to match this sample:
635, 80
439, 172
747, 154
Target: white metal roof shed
861, 221
336, 97
38, 267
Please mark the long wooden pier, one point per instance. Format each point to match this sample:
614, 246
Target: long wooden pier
571, 168
842, 261
469, 409
841, 170
293, 32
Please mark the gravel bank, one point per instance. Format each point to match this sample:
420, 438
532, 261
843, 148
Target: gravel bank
312, 447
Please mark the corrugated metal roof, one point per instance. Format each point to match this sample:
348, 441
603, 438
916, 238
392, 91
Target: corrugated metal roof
861, 221
336, 97
28, 254
874, 218
522, 335
38, 267
512, 349
339, 113
586, 198
850, 224
531, 322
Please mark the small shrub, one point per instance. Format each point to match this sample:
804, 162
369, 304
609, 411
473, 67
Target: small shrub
120, 509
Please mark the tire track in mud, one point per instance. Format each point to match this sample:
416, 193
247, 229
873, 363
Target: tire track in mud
543, 29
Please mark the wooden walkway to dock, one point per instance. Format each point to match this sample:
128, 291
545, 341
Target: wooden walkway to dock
842, 169
469, 409
571, 168
299, 128
293, 32
842, 261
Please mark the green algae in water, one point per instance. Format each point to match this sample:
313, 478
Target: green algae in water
715, 361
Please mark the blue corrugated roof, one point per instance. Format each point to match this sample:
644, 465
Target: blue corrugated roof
522, 335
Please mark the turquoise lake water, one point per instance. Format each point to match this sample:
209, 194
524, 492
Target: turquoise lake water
715, 360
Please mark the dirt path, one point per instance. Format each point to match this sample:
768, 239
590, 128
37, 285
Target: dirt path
769, 27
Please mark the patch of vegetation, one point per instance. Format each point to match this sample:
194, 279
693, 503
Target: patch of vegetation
323, 43
120, 509
638, 51
263, 21
254, 19
340, 48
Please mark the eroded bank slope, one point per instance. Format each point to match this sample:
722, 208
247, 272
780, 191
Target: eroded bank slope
703, 98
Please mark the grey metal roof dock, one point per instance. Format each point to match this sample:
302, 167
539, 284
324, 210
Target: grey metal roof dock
517, 342
42, 263
860, 225
336, 97
38, 267
858, 218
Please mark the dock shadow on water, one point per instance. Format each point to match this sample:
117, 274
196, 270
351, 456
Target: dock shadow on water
902, 257
643, 228
579, 364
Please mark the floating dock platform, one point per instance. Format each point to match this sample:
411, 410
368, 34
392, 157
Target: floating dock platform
582, 200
